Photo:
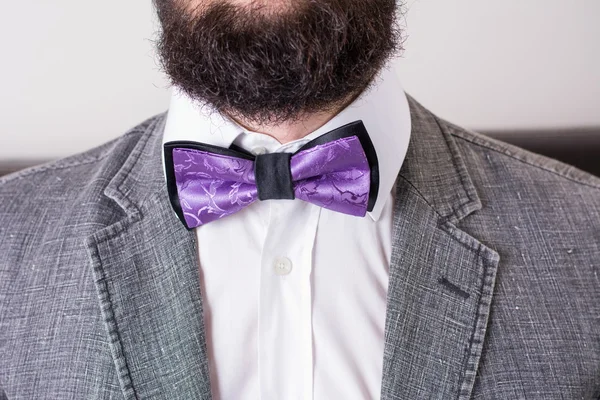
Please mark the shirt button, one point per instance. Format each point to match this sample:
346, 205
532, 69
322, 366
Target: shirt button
282, 265
259, 150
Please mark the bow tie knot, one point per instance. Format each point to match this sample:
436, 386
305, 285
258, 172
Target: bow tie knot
273, 176
337, 171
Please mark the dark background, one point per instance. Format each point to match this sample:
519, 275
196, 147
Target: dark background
579, 147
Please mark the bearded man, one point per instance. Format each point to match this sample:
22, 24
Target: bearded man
297, 227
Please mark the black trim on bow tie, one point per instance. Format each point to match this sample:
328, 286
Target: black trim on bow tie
171, 182
276, 164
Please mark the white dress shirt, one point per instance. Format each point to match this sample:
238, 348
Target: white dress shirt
295, 295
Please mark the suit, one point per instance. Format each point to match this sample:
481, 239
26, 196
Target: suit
493, 288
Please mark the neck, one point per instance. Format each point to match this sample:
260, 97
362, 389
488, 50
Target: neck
289, 131
286, 132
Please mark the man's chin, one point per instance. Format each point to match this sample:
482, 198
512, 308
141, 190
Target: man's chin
270, 70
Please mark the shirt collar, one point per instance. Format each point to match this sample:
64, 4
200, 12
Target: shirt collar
383, 109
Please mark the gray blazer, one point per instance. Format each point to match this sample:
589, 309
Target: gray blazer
493, 293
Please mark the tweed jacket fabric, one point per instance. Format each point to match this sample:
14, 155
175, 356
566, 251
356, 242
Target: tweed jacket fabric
493, 293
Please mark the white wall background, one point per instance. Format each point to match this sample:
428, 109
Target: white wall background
74, 74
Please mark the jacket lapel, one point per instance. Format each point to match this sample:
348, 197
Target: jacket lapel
148, 283
441, 278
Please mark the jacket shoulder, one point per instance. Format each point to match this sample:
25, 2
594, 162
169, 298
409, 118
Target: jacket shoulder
529, 200
46, 194
518, 165
72, 165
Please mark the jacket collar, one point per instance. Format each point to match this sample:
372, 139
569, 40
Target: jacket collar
435, 168
440, 288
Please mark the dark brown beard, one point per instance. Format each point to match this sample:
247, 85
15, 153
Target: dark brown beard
275, 67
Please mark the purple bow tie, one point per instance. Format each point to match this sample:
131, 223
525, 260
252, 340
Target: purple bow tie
337, 171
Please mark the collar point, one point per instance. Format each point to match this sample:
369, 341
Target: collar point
376, 212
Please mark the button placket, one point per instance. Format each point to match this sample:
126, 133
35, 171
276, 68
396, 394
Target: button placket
285, 328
